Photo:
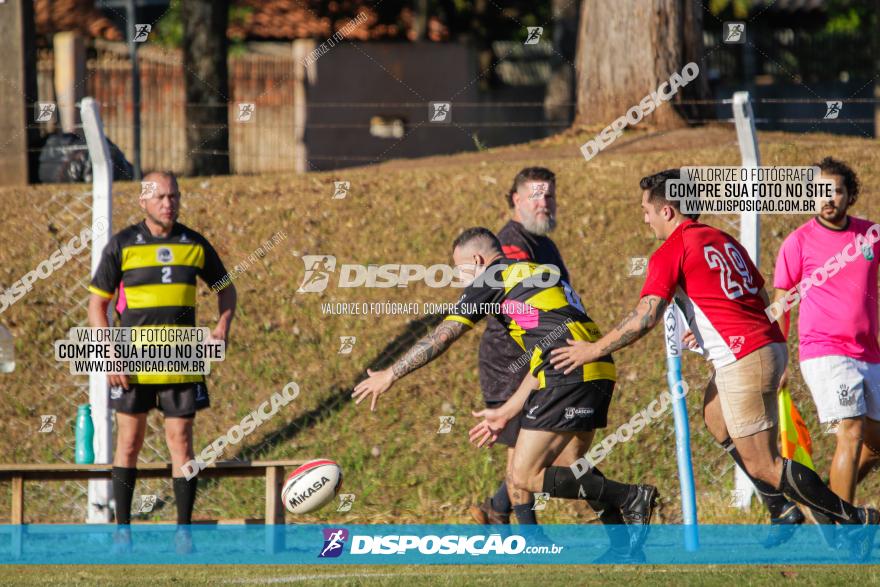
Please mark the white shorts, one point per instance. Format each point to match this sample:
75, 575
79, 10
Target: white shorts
843, 387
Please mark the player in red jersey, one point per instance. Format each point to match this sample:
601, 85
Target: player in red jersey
722, 293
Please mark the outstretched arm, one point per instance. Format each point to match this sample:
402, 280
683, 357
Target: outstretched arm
421, 353
637, 324
428, 348
646, 315
494, 420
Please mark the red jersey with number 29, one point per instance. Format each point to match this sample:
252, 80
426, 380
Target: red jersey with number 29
711, 275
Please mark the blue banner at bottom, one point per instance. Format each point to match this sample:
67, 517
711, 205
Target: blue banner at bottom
436, 544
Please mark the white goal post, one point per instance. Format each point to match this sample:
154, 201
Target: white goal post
100, 490
749, 236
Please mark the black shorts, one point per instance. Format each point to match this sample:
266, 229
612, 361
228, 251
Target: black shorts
510, 432
177, 400
577, 407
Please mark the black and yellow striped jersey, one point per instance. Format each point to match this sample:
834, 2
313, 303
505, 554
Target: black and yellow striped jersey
540, 311
156, 280
497, 348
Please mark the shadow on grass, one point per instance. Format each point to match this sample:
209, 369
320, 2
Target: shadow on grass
339, 395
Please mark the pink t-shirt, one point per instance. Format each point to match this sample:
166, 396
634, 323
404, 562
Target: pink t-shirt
835, 272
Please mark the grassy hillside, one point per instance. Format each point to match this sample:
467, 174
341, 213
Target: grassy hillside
399, 212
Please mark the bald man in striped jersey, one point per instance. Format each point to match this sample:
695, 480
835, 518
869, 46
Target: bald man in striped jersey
151, 267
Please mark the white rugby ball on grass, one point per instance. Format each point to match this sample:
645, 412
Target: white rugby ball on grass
312, 486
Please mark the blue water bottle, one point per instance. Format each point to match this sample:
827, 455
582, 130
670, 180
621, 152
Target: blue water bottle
85, 433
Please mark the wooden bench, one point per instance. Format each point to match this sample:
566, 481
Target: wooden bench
272, 470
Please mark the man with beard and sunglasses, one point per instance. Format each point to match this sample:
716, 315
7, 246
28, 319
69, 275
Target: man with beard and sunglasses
837, 324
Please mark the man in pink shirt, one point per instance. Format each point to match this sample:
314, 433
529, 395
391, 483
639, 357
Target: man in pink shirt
828, 267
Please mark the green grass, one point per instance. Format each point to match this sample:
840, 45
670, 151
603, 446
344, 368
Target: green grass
392, 576
402, 212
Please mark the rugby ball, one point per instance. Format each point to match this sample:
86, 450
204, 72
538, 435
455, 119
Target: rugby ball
312, 486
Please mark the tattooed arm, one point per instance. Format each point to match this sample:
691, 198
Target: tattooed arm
428, 348
420, 354
634, 326
637, 323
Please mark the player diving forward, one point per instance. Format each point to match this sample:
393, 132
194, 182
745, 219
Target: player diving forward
724, 300
560, 411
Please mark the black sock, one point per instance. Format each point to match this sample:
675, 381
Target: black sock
773, 499
525, 514
612, 520
185, 495
607, 513
561, 482
501, 499
803, 485
124, 479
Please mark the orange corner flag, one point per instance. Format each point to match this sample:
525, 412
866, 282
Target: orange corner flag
793, 433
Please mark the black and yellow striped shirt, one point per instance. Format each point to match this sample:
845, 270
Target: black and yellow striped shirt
538, 316
156, 280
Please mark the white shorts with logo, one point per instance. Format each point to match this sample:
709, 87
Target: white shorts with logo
843, 387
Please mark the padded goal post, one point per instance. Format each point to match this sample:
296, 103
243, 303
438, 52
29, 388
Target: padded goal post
100, 490
749, 237
674, 327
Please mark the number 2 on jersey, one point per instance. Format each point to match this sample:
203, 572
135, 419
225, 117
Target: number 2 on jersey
166, 274
731, 287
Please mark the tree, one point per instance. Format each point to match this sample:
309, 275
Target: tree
206, 83
420, 26
627, 48
561, 85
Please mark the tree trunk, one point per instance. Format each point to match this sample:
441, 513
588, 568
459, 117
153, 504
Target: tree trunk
19, 147
453, 18
206, 83
420, 22
560, 93
627, 48
483, 44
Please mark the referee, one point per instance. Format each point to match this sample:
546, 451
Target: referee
153, 266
